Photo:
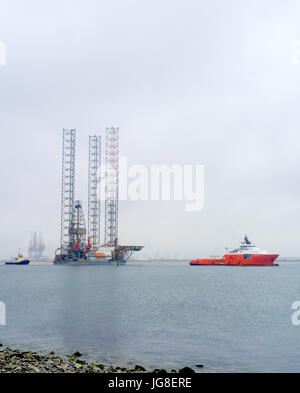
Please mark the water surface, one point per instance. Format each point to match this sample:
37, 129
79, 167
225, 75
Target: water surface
157, 314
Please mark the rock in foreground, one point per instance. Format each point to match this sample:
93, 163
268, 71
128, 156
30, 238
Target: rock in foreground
17, 361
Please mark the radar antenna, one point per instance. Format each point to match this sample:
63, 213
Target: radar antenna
247, 241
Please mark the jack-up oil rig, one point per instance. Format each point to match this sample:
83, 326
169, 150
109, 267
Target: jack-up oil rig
36, 246
80, 246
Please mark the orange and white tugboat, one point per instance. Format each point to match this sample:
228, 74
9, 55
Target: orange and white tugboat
246, 255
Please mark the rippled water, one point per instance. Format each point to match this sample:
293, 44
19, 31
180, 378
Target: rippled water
157, 314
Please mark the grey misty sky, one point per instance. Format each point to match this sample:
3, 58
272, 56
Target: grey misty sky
187, 82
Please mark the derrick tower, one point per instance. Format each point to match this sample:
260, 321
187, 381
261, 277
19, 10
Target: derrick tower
111, 187
68, 184
93, 192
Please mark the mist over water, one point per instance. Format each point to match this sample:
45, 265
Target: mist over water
157, 314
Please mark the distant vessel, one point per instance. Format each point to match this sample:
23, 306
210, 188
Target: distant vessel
246, 255
18, 261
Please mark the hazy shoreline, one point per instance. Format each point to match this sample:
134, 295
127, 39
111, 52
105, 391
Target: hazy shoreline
133, 261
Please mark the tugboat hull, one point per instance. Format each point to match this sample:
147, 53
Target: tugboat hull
18, 263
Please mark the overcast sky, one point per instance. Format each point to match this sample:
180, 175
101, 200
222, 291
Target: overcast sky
188, 82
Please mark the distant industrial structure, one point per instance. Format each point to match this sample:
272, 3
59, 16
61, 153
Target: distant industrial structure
78, 244
36, 246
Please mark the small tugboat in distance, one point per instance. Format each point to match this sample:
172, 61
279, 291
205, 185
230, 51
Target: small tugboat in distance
246, 255
18, 261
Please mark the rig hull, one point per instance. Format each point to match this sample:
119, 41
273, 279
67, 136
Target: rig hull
88, 263
115, 255
71, 263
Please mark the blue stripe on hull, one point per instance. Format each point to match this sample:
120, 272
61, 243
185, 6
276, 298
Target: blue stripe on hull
18, 263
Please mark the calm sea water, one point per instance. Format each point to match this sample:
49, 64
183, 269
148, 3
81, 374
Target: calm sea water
157, 314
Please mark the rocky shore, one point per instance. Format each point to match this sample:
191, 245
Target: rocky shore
18, 361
